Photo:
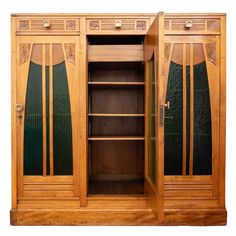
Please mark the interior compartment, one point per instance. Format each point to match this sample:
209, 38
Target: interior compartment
116, 119
116, 100
116, 126
116, 72
116, 167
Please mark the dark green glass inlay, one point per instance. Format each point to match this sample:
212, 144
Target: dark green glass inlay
33, 126
152, 124
62, 129
202, 153
47, 120
174, 121
202, 156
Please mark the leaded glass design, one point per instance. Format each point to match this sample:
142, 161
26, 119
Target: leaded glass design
201, 118
34, 122
173, 121
33, 126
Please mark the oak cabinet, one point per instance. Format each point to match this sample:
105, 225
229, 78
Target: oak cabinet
118, 119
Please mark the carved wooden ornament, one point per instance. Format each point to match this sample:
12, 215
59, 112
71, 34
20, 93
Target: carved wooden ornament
94, 25
70, 52
211, 52
24, 25
213, 25
24, 52
70, 25
167, 24
141, 25
167, 51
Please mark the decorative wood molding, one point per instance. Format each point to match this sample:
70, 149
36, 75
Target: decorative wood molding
24, 52
167, 51
94, 25
213, 25
24, 25
141, 25
211, 52
70, 52
166, 24
70, 25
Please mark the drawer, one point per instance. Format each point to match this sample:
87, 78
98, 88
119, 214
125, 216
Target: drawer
190, 25
117, 25
47, 25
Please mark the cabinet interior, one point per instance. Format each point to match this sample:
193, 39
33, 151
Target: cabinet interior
116, 122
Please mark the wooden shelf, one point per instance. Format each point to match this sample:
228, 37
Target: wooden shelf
122, 84
114, 115
125, 138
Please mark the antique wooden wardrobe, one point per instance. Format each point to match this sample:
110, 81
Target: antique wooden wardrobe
118, 119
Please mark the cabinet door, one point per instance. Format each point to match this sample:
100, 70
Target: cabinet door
47, 91
192, 116
154, 126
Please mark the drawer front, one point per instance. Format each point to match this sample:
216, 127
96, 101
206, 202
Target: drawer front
192, 25
48, 25
117, 25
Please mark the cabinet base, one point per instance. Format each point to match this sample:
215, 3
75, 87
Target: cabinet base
116, 217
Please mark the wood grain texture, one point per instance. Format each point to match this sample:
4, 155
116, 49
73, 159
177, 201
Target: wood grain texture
121, 217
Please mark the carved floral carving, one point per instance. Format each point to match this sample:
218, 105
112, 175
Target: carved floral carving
70, 52
141, 25
70, 25
24, 52
167, 51
94, 25
213, 25
211, 52
24, 25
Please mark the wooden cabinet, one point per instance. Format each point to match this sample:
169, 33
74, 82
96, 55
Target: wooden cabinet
118, 119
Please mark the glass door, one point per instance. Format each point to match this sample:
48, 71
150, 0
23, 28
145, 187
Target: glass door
46, 127
191, 144
154, 111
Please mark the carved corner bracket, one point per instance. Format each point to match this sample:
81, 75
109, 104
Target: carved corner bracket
167, 51
70, 52
24, 52
211, 52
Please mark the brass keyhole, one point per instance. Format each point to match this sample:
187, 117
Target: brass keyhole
19, 109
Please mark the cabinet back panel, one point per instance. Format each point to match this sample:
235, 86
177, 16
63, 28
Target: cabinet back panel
133, 126
128, 101
116, 72
116, 160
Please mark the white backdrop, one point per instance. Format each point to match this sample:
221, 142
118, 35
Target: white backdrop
113, 6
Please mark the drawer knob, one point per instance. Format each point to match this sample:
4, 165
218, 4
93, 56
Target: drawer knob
188, 24
118, 23
46, 24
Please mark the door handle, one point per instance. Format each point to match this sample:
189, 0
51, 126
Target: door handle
167, 105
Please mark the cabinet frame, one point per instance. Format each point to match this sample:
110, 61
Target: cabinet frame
82, 209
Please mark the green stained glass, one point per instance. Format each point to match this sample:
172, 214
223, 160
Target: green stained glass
202, 156
62, 129
174, 121
33, 126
